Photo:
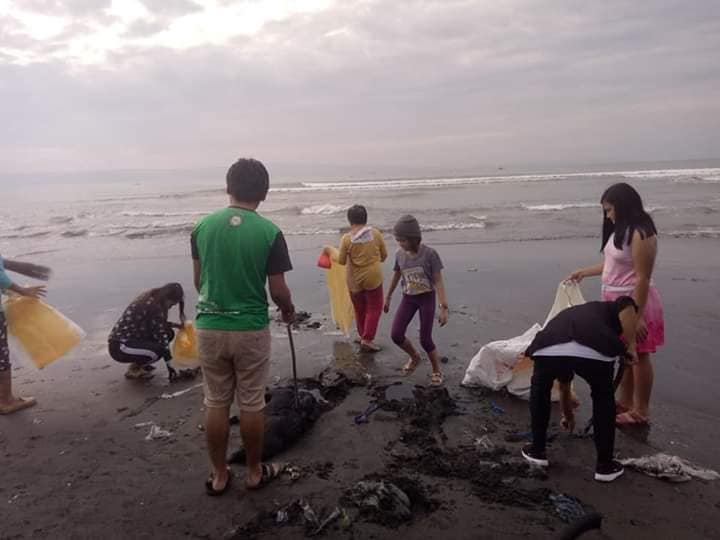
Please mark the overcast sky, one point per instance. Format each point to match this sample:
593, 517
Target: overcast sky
114, 84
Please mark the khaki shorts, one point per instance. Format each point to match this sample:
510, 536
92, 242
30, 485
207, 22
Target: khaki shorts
235, 364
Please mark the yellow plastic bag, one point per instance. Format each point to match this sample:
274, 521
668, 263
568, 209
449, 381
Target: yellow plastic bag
341, 306
40, 331
184, 348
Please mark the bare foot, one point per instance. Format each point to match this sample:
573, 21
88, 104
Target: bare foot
410, 366
369, 346
17, 404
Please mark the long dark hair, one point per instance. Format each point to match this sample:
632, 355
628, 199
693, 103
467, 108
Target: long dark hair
170, 291
630, 216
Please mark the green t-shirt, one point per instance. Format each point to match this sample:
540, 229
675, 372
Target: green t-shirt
237, 250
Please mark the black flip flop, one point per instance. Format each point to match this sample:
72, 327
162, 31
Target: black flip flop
210, 490
270, 472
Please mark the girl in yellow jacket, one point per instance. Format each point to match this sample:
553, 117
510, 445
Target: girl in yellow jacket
363, 251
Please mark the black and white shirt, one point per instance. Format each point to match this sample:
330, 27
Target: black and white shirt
143, 321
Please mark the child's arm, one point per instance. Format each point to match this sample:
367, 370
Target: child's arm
566, 406
28, 269
440, 288
335, 254
393, 284
7, 284
34, 292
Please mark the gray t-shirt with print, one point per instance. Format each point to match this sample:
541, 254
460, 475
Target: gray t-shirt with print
417, 270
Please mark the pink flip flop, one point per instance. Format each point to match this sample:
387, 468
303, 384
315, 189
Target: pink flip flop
631, 418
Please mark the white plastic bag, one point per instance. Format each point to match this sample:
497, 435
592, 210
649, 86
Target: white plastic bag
568, 294
496, 364
493, 365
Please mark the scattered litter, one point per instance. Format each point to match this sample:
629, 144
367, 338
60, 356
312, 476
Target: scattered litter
496, 409
669, 468
345, 519
567, 508
37, 421
309, 514
180, 393
301, 511
382, 500
282, 517
484, 442
334, 515
292, 472
444, 359
364, 418
156, 432
143, 424
334, 333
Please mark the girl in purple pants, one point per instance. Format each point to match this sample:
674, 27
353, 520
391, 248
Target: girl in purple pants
419, 268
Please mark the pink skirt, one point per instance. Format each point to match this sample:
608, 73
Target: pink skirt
653, 316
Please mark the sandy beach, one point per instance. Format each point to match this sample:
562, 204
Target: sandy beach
78, 465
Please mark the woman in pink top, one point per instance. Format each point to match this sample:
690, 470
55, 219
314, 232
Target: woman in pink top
629, 250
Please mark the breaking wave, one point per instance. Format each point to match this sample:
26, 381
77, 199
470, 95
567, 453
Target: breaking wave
323, 210
559, 206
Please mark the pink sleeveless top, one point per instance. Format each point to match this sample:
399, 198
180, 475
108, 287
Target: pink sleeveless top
618, 272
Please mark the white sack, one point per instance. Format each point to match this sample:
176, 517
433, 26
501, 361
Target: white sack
496, 365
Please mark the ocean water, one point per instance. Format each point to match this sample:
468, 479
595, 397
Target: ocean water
120, 218
108, 240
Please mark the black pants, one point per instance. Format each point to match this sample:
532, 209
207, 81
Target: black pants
138, 352
598, 374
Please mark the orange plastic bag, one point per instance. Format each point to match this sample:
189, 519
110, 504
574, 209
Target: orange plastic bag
41, 332
184, 348
324, 261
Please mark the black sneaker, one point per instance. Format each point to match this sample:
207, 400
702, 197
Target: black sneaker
533, 457
607, 472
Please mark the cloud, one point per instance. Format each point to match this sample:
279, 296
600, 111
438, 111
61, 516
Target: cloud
425, 83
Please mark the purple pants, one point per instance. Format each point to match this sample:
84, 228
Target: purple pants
425, 304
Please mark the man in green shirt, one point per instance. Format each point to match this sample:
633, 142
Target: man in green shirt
235, 253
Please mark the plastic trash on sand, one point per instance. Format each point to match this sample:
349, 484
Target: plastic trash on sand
340, 304
39, 331
496, 365
493, 365
184, 348
156, 432
670, 468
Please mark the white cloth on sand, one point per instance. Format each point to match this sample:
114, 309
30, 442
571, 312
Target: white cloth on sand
670, 468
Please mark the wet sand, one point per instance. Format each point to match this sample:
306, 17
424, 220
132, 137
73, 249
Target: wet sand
77, 467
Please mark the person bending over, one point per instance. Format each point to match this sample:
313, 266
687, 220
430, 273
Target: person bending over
143, 334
